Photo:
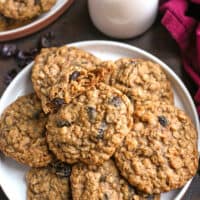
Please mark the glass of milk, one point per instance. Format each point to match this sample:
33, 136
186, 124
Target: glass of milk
123, 18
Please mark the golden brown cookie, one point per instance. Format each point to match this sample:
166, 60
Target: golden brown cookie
44, 183
160, 154
101, 182
22, 132
142, 80
90, 127
59, 68
25, 9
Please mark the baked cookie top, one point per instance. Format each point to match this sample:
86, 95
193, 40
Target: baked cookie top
58, 67
22, 132
25, 9
90, 127
160, 154
44, 183
142, 80
101, 182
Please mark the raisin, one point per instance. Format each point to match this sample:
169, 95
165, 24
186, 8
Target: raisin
163, 121
150, 197
62, 123
91, 113
102, 179
62, 169
58, 102
8, 50
74, 76
105, 196
101, 130
36, 115
10, 76
46, 40
116, 101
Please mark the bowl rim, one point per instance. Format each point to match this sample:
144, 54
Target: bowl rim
141, 52
37, 24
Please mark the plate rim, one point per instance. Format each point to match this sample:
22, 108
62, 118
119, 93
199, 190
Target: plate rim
35, 25
134, 49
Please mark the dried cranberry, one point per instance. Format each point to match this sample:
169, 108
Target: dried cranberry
116, 101
74, 76
163, 121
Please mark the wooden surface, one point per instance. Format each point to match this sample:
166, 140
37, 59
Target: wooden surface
75, 25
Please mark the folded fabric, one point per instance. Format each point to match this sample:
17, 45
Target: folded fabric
185, 29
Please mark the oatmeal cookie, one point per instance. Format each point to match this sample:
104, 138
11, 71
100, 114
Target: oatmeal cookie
160, 154
101, 182
44, 183
24, 9
55, 68
142, 80
90, 127
22, 132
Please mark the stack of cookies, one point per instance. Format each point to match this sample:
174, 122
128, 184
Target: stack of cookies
99, 130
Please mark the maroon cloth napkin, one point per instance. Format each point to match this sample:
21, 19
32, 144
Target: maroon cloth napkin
182, 19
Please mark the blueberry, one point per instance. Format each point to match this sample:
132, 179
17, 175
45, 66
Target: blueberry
8, 50
74, 76
163, 121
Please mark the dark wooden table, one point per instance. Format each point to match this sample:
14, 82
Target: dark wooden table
75, 25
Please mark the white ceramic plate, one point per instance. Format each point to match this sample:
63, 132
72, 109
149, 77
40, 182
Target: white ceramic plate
12, 174
39, 23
